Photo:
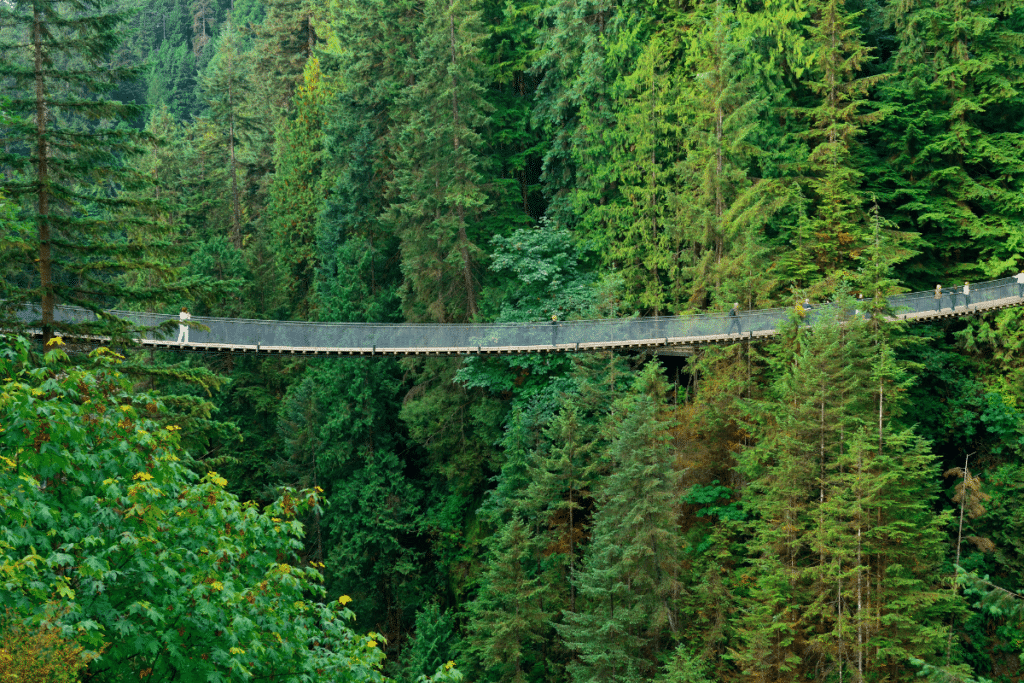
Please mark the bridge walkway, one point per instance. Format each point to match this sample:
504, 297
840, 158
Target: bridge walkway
673, 334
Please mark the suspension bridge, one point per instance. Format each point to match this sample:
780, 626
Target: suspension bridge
671, 333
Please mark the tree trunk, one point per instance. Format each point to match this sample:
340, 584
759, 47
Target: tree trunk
42, 172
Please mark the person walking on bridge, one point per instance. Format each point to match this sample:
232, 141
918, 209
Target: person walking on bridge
938, 297
734, 319
1020, 284
967, 295
182, 327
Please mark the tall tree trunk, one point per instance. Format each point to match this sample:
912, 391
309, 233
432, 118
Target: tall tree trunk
42, 171
236, 223
467, 269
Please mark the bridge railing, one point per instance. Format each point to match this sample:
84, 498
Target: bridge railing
563, 334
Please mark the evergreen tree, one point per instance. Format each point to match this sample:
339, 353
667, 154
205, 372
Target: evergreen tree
845, 558
560, 490
572, 65
438, 181
225, 84
510, 612
954, 167
817, 403
298, 191
837, 114
285, 39
630, 582
724, 207
636, 230
65, 163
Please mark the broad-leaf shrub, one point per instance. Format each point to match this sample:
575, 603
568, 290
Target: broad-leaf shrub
38, 654
101, 519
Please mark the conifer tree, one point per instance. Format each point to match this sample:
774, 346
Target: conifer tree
634, 227
845, 558
724, 207
954, 167
438, 181
225, 83
837, 114
298, 191
816, 405
573, 66
509, 616
560, 492
284, 41
630, 582
65, 163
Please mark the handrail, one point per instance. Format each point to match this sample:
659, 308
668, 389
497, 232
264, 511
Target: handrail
332, 338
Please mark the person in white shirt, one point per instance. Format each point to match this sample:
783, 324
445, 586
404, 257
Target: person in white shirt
1020, 284
182, 328
967, 294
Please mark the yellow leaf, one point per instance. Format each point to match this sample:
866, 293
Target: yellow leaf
372, 643
237, 651
344, 600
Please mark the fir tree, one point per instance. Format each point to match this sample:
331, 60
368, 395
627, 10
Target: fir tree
66, 164
297, 192
724, 207
629, 585
573, 68
225, 83
953, 167
845, 544
510, 613
837, 114
635, 227
438, 181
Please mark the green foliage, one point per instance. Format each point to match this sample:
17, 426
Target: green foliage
630, 584
510, 615
66, 161
38, 654
841, 499
433, 645
438, 181
954, 147
710, 498
168, 570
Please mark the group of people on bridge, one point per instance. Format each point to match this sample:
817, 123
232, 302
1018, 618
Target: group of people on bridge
954, 292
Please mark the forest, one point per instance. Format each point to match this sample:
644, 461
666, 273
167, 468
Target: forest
835, 504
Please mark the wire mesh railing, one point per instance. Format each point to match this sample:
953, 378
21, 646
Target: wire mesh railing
270, 335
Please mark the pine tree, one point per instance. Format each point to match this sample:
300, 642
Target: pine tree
953, 168
846, 546
817, 403
66, 163
438, 181
560, 493
837, 114
629, 586
284, 41
298, 191
509, 616
725, 201
225, 84
573, 67
635, 227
